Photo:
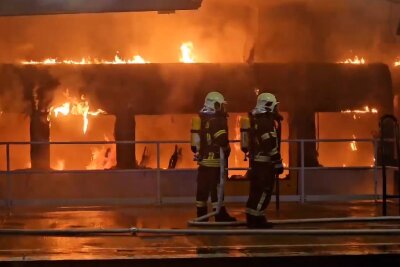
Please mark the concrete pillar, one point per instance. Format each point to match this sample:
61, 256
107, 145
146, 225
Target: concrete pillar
40, 131
124, 130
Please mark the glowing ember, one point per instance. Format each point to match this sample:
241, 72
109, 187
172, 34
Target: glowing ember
87, 61
353, 144
397, 63
75, 107
187, 53
356, 60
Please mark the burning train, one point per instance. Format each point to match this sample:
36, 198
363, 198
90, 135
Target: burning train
69, 93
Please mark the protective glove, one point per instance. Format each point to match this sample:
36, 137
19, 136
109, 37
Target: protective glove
278, 166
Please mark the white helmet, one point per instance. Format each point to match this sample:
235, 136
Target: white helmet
266, 102
213, 102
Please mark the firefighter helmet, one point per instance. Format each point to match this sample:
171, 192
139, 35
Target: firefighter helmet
266, 102
214, 101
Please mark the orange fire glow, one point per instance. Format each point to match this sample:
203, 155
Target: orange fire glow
356, 60
397, 63
75, 107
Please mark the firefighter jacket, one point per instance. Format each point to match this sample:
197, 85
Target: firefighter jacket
264, 146
213, 135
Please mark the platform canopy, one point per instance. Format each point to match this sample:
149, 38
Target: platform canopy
48, 7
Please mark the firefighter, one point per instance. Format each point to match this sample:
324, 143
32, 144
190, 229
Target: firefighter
210, 134
262, 145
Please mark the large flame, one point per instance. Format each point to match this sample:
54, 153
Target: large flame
356, 60
187, 53
75, 107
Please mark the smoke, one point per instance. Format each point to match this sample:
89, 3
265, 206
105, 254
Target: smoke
11, 92
222, 31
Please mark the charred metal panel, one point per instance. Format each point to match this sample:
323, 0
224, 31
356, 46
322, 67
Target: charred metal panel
48, 7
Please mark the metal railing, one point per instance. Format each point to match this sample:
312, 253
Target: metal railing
302, 168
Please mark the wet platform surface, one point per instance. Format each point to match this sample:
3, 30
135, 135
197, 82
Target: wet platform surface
185, 250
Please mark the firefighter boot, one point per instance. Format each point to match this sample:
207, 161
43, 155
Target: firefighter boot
201, 211
257, 222
223, 216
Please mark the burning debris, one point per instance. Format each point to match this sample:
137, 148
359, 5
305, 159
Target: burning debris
356, 60
75, 106
102, 158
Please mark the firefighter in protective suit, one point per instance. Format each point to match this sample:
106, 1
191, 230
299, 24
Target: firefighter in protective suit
265, 159
213, 134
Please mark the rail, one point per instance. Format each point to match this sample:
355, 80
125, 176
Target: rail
302, 168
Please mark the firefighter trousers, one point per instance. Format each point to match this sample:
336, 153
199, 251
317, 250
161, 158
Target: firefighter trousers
262, 181
207, 183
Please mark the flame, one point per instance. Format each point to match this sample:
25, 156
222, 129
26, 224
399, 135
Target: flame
366, 109
63, 109
137, 59
75, 107
353, 144
187, 53
186, 48
396, 63
60, 165
356, 60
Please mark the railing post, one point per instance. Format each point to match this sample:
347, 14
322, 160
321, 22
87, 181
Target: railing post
9, 180
375, 146
159, 197
8, 156
302, 180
